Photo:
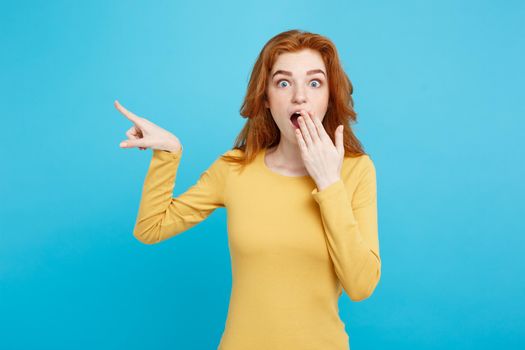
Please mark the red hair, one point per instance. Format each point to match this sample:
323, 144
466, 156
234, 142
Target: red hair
260, 130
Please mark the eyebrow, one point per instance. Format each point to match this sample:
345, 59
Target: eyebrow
313, 71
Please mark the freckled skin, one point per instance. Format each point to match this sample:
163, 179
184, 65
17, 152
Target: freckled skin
298, 82
289, 93
299, 91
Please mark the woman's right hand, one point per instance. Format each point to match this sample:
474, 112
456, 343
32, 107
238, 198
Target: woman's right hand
144, 134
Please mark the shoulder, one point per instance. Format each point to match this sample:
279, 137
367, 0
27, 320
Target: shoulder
360, 175
226, 156
222, 162
358, 166
233, 152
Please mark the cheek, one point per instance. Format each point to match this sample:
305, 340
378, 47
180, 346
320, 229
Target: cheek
274, 99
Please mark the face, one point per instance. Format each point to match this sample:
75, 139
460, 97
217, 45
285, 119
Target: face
297, 81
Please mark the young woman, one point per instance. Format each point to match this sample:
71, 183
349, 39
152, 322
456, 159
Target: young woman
300, 195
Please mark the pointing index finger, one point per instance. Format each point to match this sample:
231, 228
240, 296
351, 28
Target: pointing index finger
131, 116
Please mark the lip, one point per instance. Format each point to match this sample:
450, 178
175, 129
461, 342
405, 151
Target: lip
298, 111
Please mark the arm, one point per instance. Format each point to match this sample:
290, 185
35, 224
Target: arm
161, 216
350, 223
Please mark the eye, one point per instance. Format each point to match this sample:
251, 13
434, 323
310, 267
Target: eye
279, 82
318, 81
283, 80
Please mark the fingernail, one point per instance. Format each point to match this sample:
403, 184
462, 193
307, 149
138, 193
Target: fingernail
123, 144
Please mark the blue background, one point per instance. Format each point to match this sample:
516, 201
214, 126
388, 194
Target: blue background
439, 90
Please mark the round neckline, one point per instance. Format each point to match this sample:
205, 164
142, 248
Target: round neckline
268, 170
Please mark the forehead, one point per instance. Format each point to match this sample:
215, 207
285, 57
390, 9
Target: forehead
299, 62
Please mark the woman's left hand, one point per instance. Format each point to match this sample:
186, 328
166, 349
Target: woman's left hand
321, 158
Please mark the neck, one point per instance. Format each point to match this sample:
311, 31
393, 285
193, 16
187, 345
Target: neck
287, 155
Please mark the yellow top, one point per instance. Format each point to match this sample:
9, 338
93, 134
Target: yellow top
293, 248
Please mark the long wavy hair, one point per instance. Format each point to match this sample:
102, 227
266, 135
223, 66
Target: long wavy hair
261, 131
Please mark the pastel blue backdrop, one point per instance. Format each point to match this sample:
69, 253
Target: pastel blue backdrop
439, 91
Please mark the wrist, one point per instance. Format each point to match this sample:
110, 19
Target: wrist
173, 148
326, 183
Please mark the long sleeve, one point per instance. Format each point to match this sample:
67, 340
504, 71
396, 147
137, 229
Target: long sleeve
351, 231
160, 215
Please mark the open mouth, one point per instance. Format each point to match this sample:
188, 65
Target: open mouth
294, 120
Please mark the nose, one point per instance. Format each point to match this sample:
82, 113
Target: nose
299, 95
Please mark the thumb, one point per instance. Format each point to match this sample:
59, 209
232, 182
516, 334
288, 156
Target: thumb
132, 143
339, 139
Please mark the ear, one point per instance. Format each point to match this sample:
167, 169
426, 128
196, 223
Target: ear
266, 104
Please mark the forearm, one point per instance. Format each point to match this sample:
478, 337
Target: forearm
157, 194
351, 237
